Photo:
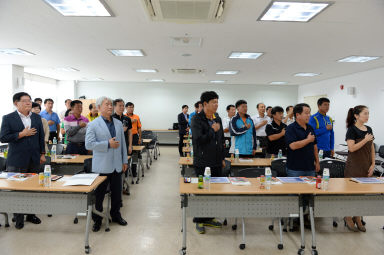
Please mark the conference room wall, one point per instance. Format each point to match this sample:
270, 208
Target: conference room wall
158, 104
369, 91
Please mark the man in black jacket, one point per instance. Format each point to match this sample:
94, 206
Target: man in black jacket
208, 146
183, 119
24, 133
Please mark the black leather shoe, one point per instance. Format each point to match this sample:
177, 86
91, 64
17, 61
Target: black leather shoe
120, 221
33, 219
19, 224
96, 227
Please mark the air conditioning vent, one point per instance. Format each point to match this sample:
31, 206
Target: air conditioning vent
185, 11
187, 71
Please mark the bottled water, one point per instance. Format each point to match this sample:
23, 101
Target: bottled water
47, 176
268, 178
325, 181
237, 155
280, 155
207, 178
321, 153
54, 141
53, 152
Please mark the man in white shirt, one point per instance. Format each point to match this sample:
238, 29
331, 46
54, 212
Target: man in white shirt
231, 110
289, 119
261, 120
67, 106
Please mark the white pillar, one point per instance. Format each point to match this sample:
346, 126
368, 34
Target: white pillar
11, 81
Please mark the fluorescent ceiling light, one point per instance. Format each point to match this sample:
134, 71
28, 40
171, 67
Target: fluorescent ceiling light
79, 7
92, 79
227, 72
217, 81
146, 70
293, 11
15, 51
155, 80
245, 55
127, 53
278, 83
357, 59
66, 69
306, 74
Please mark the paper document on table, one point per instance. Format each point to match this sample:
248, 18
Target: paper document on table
220, 180
291, 180
6, 175
246, 160
65, 157
81, 179
367, 180
194, 180
239, 181
21, 176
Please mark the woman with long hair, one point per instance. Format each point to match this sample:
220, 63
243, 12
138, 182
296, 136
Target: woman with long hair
361, 153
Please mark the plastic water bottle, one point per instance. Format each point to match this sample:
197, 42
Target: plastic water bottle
280, 155
268, 178
258, 144
207, 178
54, 141
325, 181
191, 152
321, 153
47, 176
237, 155
226, 144
53, 152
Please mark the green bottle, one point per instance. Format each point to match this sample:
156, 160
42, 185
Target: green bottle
200, 184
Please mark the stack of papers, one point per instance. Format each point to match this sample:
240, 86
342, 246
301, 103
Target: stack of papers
65, 157
291, 180
246, 160
81, 179
239, 181
220, 180
20, 176
6, 175
367, 180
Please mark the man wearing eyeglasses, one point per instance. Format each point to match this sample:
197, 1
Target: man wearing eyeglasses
24, 133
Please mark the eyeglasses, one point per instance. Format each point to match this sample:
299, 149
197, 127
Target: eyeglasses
25, 101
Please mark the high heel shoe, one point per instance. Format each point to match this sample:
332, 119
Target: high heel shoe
359, 224
348, 222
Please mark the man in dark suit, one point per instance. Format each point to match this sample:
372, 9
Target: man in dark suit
183, 119
24, 133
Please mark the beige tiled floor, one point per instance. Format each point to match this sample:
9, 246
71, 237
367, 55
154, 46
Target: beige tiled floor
153, 215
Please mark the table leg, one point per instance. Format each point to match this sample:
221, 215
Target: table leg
148, 157
302, 247
87, 226
184, 204
312, 218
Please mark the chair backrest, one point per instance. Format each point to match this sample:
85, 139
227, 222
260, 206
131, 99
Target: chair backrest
253, 172
3, 164
279, 166
148, 134
60, 149
381, 151
376, 147
336, 167
226, 171
88, 165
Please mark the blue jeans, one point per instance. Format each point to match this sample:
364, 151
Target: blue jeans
298, 173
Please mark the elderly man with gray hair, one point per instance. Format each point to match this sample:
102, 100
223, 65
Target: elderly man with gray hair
105, 137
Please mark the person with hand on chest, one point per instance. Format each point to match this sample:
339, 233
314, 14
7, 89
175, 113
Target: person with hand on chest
23, 131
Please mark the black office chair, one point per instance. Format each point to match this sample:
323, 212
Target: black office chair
59, 149
153, 146
255, 172
336, 170
3, 164
279, 166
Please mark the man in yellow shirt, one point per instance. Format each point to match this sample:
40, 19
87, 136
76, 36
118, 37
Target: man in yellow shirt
93, 113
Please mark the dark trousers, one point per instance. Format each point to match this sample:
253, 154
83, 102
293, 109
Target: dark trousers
52, 135
76, 148
181, 144
135, 141
31, 168
215, 172
263, 141
115, 185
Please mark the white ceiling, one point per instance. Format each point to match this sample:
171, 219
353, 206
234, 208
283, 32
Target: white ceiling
348, 27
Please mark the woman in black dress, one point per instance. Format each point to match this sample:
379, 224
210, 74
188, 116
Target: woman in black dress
361, 153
